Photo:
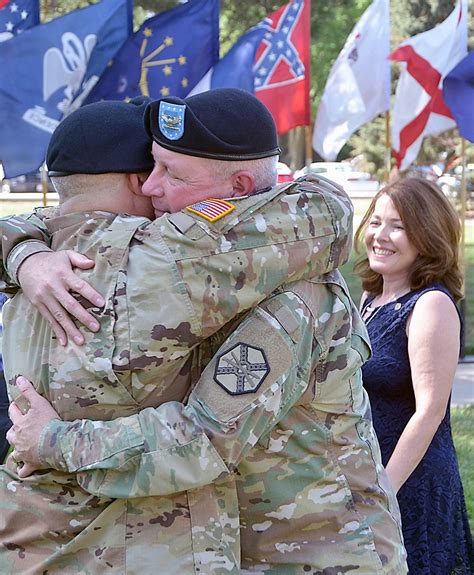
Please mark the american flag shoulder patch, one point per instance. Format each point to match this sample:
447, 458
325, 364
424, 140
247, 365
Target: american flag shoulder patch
211, 209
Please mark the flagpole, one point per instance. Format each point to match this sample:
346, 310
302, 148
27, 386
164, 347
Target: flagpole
462, 251
44, 173
308, 145
308, 131
388, 147
44, 184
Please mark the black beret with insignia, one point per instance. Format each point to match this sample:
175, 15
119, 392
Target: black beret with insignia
102, 137
224, 124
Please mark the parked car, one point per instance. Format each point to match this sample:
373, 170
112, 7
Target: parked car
355, 183
450, 183
285, 174
431, 172
26, 183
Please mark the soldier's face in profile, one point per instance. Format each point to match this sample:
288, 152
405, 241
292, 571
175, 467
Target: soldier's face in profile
178, 180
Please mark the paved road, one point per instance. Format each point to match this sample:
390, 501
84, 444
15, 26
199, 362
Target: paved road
463, 388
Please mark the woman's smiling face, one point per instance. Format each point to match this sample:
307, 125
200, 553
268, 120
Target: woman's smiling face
389, 250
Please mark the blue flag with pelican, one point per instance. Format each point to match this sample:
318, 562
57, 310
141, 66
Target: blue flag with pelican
47, 71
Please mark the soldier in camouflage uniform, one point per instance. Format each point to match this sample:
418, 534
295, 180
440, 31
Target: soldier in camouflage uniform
281, 400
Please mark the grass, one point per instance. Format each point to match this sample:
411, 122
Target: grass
468, 303
23, 205
463, 433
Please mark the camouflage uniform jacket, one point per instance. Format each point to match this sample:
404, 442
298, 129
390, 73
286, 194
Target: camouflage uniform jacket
207, 274
281, 410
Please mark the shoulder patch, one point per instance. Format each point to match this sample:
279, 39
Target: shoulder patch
241, 369
212, 209
248, 370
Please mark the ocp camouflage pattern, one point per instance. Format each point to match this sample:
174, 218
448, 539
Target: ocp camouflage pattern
286, 479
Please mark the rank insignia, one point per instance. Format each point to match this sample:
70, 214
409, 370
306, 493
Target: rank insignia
241, 369
171, 120
211, 209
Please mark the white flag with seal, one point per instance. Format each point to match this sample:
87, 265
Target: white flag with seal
358, 87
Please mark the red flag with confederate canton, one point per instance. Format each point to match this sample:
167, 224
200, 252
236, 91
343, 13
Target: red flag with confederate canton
282, 66
272, 61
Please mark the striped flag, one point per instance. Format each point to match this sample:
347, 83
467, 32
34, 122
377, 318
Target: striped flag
211, 209
420, 109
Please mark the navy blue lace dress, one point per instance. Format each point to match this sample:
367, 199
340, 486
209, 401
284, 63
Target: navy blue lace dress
434, 519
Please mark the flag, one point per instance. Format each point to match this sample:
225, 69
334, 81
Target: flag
358, 86
283, 66
167, 56
458, 92
17, 15
47, 71
419, 108
272, 61
235, 69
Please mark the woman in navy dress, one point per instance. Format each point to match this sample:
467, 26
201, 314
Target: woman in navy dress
411, 280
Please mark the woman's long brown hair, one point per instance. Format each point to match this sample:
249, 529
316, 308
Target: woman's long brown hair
432, 226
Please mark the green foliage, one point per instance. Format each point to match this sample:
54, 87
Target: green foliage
55, 8
462, 419
370, 142
238, 17
410, 18
331, 24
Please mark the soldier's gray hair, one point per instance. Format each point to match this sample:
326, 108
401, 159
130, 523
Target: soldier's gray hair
263, 169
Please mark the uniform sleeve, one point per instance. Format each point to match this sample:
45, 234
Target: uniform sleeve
256, 376
22, 236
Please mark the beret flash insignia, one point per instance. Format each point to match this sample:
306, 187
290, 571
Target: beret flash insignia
171, 120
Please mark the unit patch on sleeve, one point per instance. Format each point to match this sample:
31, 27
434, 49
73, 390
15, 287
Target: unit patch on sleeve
241, 369
212, 209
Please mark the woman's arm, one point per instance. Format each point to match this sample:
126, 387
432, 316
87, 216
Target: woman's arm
433, 349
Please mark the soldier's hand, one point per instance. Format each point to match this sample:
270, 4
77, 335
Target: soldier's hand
47, 279
30, 414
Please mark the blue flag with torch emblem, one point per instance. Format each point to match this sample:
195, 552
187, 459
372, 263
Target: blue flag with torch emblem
168, 55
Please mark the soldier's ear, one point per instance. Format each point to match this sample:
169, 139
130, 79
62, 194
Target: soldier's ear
243, 183
136, 181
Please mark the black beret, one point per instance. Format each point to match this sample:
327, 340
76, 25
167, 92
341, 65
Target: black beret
224, 124
102, 137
